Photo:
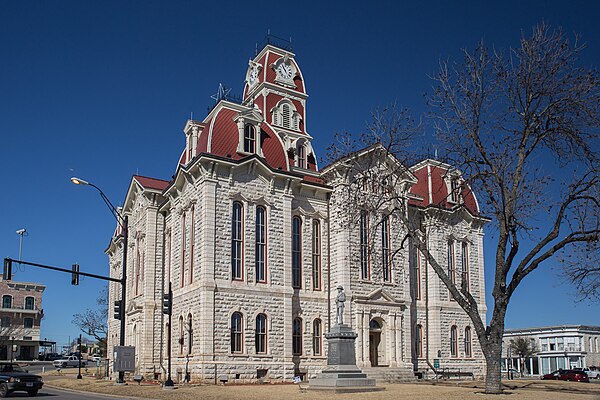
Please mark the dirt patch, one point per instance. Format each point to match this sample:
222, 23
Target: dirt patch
521, 390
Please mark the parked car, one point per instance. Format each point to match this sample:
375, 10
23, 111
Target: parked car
70, 361
96, 357
567, 375
591, 373
13, 378
51, 356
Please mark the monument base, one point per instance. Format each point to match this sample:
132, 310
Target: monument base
341, 374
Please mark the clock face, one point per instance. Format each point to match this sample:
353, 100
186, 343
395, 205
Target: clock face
253, 75
285, 71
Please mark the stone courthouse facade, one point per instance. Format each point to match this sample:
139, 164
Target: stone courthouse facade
250, 234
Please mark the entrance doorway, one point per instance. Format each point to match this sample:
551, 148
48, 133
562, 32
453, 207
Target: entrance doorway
375, 352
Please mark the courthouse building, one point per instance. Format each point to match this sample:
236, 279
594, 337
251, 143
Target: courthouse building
249, 233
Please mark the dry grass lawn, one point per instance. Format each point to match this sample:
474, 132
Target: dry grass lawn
519, 389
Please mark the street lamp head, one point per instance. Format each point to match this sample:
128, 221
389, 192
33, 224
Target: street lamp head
79, 181
21, 231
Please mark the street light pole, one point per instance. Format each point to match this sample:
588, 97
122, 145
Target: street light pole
123, 221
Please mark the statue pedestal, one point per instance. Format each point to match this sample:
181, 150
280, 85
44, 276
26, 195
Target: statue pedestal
341, 374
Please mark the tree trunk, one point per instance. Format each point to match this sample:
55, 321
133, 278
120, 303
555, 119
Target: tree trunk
493, 378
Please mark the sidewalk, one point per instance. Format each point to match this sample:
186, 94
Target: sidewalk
453, 390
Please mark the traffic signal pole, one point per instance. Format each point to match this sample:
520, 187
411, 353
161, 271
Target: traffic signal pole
168, 309
125, 226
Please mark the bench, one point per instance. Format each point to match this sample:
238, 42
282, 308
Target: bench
447, 374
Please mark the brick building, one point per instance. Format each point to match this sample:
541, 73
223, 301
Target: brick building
20, 316
249, 233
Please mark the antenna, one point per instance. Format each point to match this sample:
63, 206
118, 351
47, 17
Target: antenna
191, 115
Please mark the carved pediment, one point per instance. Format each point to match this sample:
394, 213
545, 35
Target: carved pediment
380, 296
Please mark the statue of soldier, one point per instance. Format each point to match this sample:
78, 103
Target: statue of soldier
339, 302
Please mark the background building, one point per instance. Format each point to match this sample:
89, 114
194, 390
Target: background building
251, 236
563, 346
21, 314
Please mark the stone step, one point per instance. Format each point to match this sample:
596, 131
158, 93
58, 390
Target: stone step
390, 375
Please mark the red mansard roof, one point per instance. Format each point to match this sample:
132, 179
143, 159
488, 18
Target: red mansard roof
431, 188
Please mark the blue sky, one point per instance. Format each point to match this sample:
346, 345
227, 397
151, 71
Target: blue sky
102, 90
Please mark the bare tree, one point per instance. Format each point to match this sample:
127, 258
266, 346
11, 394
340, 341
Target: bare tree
94, 322
523, 127
582, 267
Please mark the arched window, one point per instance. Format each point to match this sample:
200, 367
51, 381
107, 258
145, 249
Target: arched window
237, 335
301, 155
453, 342
27, 322
237, 241
192, 240
419, 342
464, 257
285, 115
468, 350
6, 301
261, 245
297, 337
29, 303
317, 337
385, 249
296, 252
364, 244
415, 261
137, 262
316, 254
249, 138
261, 334
451, 270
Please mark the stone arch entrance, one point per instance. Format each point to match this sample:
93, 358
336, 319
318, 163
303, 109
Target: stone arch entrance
376, 342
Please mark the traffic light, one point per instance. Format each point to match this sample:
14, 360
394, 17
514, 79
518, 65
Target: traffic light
75, 274
117, 309
168, 303
7, 273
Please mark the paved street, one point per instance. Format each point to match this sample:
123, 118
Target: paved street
57, 394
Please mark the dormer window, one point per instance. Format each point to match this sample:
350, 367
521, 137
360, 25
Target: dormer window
454, 190
301, 151
286, 116
248, 123
249, 139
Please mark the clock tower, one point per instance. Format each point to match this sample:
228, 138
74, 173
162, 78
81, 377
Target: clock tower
275, 86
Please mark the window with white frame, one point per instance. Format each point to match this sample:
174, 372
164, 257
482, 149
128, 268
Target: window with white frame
316, 254
29, 303
286, 116
237, 241
249, 138
364, 244
260, 245
385, 249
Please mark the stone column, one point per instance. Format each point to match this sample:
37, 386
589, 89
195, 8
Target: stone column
207, 246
